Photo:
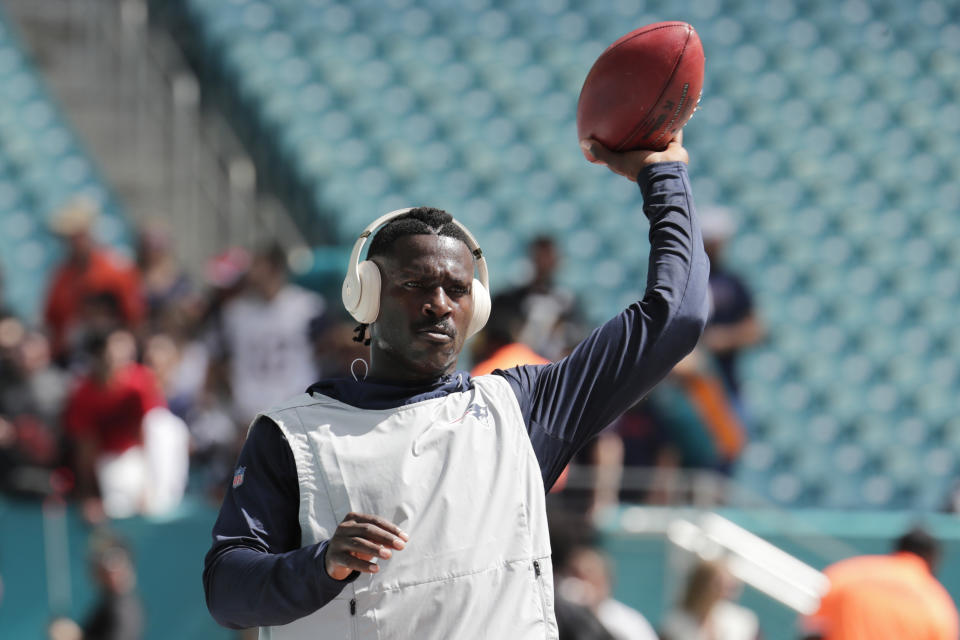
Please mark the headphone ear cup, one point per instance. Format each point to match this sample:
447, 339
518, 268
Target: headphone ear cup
368, 303
481, 308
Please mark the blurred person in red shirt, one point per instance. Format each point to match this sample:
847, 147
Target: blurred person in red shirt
887, 597
104, 417
87, 270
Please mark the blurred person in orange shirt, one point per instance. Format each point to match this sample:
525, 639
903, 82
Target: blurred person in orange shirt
887, 597
87, 271
499, 347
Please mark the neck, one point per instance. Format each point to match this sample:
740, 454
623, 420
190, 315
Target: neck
385, 368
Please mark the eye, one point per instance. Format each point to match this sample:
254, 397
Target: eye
411, 284
459, 290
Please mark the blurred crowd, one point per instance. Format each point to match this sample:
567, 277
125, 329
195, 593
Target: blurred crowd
139, 382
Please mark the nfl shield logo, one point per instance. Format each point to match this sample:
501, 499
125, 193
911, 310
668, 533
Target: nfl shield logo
238, 476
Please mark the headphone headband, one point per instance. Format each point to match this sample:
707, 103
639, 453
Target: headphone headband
472, 244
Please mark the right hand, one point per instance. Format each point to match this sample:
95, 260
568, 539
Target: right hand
630, 163
359, 539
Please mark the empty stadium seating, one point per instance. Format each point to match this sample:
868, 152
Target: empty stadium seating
828, 128
42, 166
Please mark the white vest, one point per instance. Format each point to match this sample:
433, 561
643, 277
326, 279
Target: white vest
459, 475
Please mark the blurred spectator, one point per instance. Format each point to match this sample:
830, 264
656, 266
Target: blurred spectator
264, 341
105, 418
570, 531
893, 596
31, 397
686, 426
734, 324
118, 613
164, 283
88, 270
550, 318
198, 386
588, 582
705, 612
498, 346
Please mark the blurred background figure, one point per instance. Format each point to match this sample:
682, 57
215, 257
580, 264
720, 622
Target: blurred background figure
734, 323
887, 596
705, 610
570, 531
118, 612
550, 321
589, 582
105, 419
676, 446
32, 392
264, 341
88, 271
499, 345
164, 284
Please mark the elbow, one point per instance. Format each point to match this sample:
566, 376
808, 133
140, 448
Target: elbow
688, 324
221, 614
687, 330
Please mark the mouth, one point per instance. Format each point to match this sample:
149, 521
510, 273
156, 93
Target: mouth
437, 334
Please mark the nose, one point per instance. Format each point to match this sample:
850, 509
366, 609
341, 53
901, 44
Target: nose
437, 304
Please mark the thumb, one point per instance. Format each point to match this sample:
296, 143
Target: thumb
594, 151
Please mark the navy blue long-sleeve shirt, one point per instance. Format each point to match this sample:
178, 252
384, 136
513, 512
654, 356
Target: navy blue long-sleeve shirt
256, 573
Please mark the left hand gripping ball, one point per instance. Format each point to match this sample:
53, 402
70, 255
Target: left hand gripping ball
643, 88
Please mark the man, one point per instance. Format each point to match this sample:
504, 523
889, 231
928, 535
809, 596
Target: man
411, 503
265, 336
734, 324
118, 613
888, 597
104, 417
588, 582
549, 316
87, 272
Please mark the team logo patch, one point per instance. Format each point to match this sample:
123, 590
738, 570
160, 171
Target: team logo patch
478, 411
238, 476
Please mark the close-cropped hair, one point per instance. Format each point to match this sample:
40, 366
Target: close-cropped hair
418, 221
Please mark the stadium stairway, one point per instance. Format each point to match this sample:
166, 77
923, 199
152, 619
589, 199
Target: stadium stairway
42, 167
139, 109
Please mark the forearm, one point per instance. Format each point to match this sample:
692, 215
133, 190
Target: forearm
249, 588
568, 402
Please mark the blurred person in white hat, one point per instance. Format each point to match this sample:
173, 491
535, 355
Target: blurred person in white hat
87, 271
734, 322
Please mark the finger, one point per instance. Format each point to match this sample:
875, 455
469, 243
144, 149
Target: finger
371, 532
366, 547
594, 151
383, 523
353, 563
678, 137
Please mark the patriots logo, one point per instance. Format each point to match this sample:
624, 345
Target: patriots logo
238, 476
478, 411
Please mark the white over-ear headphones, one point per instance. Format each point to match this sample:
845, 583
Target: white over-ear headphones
361, 287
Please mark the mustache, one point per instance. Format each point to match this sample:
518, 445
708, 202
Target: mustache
445, 327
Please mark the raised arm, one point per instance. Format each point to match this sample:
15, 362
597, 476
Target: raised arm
567, 402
